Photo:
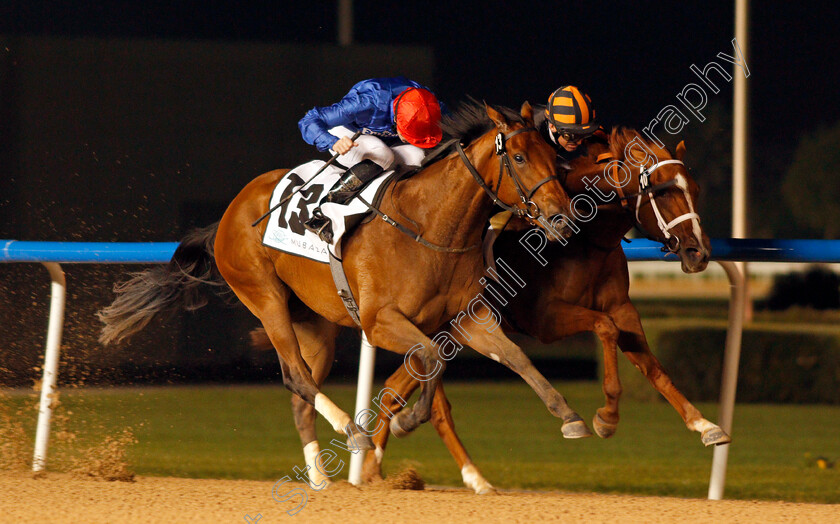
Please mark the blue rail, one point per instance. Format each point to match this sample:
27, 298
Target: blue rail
733, 249
87, 252
748, 249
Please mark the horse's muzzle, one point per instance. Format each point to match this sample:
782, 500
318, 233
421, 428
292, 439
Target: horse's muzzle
560, 228
694, 258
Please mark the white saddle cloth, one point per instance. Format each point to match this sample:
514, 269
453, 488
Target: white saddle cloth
285, 231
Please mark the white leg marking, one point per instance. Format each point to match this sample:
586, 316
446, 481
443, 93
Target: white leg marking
474, 480
495, 357
334, 415
310, 453
379, 454
701, 425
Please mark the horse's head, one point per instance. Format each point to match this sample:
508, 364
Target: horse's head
525, 182
662, 195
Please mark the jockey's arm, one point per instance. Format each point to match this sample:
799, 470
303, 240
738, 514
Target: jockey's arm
355, 108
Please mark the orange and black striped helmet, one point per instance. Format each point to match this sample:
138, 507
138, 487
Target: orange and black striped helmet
571, 109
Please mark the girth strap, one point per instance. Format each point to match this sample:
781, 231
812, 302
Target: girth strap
343, 287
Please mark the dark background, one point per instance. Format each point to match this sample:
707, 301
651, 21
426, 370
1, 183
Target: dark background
138, 120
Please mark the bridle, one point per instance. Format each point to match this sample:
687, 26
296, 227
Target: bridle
671, 242
531, 209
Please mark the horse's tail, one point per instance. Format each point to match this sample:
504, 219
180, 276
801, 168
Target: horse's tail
260, 340
181, 284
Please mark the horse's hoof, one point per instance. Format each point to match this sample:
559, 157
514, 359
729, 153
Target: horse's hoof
576, 429
603, 428
363, 443
358, 441
473, 480
396, 429
715, 436
486, 490
324, 483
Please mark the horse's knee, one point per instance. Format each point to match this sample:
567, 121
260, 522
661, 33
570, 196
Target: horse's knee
606, 329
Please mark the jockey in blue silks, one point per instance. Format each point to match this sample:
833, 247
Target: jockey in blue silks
398, 118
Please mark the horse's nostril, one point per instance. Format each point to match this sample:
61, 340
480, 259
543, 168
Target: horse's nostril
694, 253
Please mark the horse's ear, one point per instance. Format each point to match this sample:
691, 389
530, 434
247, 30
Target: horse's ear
497, 118
527, 112
681, 150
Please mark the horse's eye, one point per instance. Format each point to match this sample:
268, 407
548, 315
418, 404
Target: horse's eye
519, 158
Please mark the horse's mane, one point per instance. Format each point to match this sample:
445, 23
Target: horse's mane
620, 136
467, 123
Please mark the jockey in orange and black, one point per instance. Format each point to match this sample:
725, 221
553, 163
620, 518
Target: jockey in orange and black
399, 119
568, 122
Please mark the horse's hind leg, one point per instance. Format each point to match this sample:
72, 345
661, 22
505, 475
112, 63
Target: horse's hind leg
267, 298
634, 345
317, 343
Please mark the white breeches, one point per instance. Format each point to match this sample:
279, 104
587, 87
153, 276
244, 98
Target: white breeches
369, 147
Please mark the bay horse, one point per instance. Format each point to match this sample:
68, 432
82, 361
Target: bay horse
584, 286
404, 289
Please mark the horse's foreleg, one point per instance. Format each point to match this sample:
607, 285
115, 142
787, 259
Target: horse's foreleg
404, 385
495, 345
633, 344
561, 319
445, 426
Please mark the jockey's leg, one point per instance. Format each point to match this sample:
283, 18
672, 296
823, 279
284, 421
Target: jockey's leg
368, 147
367, 160
408, 155
352, 181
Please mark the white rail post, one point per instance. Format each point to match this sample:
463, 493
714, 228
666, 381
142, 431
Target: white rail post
364, 389
58, 293
729, 374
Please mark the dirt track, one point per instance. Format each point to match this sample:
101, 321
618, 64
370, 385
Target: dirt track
64, 498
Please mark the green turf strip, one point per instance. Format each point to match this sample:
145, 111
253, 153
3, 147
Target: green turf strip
247, 432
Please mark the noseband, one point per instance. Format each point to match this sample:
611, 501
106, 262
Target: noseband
671, 242
531, 209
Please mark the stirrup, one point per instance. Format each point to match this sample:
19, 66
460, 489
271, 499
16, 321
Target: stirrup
320, 225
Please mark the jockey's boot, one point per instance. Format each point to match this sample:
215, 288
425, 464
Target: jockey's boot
350, 183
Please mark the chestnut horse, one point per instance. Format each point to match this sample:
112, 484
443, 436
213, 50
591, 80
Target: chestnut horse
404, 289
584, 285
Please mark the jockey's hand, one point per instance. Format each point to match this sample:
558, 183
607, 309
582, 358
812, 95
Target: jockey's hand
343, 145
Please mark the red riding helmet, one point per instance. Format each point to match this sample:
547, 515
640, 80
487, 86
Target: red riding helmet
417, 115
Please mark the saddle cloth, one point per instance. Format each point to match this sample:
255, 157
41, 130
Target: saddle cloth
285, 231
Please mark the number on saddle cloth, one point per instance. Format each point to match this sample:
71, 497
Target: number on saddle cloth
285, 230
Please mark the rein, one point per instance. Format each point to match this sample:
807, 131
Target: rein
531, 209
417, 237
